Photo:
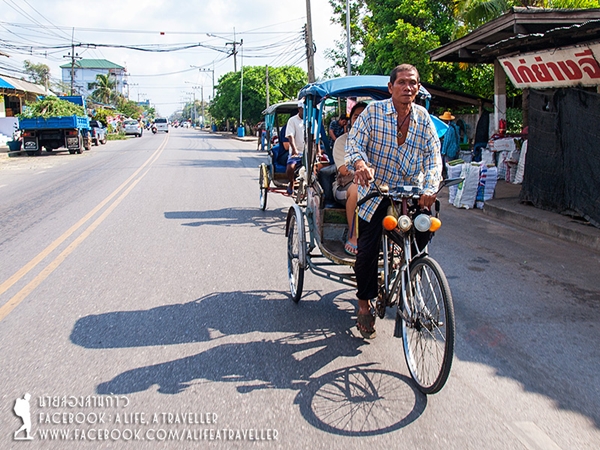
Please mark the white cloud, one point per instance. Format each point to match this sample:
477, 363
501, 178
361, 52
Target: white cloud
134, 23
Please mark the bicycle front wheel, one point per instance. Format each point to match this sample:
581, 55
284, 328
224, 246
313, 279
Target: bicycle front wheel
428, 336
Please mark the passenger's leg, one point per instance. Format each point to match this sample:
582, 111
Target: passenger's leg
351, 200
290, 172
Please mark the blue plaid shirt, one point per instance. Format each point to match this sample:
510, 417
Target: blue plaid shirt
417, 162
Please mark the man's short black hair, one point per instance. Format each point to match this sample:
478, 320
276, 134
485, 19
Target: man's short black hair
403, 68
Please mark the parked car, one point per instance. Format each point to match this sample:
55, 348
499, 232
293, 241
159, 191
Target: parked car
132, 126
97, 132
162, 124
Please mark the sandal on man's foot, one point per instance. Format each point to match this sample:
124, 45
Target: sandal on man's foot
350, 248
366, 325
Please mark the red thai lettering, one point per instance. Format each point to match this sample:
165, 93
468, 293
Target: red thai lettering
526, 73
557, 73
541, 71
571, 69
513, 71
589, 65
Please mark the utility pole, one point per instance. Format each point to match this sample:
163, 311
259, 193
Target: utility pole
267, 80
73, 57
201, 69
202, 103
348, 62
241, 128
234, 53
310, 47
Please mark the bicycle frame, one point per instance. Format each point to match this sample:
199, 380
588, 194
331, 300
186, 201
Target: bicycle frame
393, 276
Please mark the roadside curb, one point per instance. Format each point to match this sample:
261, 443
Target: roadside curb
545, 222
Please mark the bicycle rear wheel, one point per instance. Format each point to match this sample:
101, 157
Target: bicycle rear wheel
428, 338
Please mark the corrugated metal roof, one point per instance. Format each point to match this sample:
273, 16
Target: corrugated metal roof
25, 86
93, 64
555, 37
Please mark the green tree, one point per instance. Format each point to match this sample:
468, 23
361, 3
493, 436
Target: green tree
101, 114
389, 32
470, 14
284, 84
104, 87
37, 73
129, 108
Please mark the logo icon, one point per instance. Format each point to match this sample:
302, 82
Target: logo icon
21, 409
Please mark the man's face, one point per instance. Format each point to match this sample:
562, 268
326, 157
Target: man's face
300, 112
405, 87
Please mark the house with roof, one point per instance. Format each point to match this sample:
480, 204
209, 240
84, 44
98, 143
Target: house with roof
81, 74
14, 94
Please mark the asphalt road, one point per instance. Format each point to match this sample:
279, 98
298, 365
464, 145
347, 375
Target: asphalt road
144, 303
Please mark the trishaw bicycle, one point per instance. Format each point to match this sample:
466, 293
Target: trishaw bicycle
409, 278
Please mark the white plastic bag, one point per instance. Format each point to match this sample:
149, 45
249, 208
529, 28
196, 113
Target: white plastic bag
467, 190
453, 171
521, 166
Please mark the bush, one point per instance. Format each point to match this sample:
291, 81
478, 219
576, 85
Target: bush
514, 120
51, 107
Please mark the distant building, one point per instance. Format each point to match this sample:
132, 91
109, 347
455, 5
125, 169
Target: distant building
84, 74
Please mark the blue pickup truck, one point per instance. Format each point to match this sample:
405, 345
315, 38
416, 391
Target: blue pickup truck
70, 132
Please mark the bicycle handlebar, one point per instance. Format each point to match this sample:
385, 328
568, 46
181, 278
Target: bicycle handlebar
406, 191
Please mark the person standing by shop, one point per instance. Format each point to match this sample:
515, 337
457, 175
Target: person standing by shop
451, 140
393, 142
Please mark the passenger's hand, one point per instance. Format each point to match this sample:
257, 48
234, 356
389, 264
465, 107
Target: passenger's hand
363, 174
426, 200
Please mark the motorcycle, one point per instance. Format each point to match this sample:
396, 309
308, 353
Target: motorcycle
154, 130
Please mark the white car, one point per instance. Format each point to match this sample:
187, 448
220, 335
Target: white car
162, 124
133, 127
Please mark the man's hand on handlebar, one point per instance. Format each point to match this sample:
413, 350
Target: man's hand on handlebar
426, 200
363, 174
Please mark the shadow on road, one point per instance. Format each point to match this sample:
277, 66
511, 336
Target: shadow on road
355, 400
229, 217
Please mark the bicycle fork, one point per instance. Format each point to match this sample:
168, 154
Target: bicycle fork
395, 280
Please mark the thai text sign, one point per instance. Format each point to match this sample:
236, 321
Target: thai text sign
570, 66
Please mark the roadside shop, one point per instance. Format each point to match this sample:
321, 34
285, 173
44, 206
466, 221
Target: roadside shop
553, 56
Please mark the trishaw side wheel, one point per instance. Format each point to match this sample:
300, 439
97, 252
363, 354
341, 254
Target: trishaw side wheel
263, 184
429, 337
295, 252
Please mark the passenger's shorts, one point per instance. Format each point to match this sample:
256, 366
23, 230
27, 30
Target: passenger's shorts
340, 193
294, 159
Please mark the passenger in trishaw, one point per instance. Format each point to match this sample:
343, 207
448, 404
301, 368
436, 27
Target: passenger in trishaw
393, 142
281, 152
295, 135
344, 189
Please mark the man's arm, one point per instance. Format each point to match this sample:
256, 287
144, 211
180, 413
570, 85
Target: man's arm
356, 147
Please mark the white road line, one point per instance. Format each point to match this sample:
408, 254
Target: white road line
532, 436
2, 185
42, 171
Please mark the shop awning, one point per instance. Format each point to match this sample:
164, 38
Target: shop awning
5, 84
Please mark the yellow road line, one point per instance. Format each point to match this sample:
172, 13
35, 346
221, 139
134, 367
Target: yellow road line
23, 293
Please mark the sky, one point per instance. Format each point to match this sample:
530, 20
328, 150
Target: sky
271, 32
